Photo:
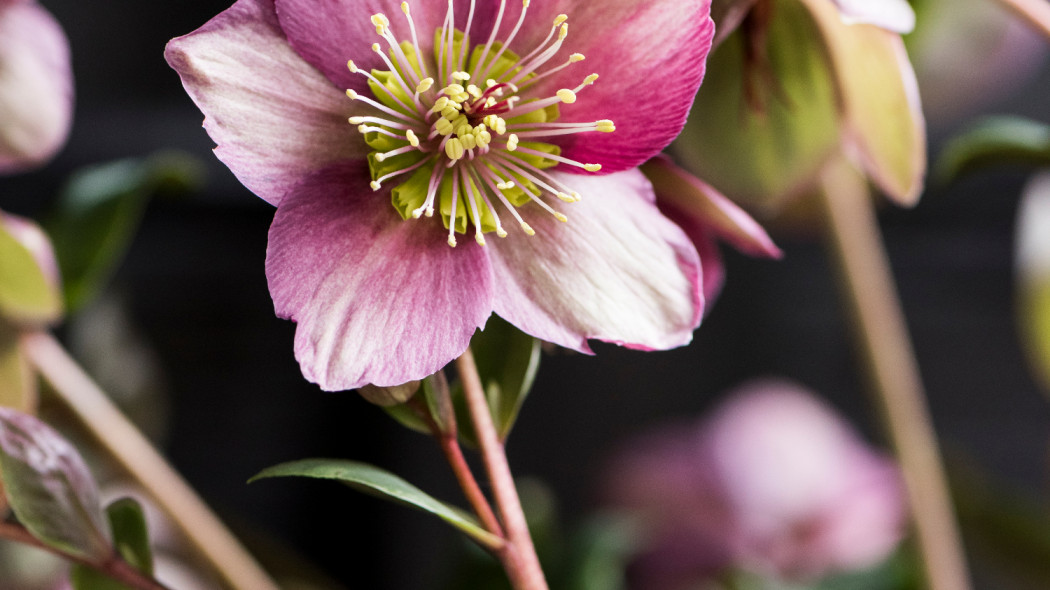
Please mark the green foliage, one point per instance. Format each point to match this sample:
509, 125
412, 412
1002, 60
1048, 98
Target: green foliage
26, 295
100, 210
507, 360
131, 538
995, 141
17, 385
50, 488
382, 484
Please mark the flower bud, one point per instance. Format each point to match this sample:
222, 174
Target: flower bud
389, 396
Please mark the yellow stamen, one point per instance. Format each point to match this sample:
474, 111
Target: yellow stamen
592, 167
454, 149
567, 96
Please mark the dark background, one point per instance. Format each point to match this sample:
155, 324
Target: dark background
194, 285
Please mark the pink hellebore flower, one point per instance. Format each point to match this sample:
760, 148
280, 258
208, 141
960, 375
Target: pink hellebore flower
774, 482
474, 111
36, 86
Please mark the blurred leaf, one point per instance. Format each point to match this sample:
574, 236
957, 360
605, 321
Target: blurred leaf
50, 488
26, 294
766, 118
381, 484
131, 538
600, 552
1033, 275
901, 571
100, 210
409, 413
995, 141
17, 383
507, 360
882, 114
1008, 529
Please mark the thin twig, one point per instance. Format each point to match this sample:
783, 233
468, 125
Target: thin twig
887, 350
114, 567
1034, 12
202, 529
520, 561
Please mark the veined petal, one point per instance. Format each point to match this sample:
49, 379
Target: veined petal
36, 86
274, 117
618, 271
650, 57
377, 299
327, 33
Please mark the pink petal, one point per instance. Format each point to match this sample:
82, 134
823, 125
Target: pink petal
328, 33
618, 271
36, 86
377, 299
650, 57
274, 117
708, 208
713, 271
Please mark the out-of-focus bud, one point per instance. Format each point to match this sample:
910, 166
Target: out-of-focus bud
389, 396
1033, 274
29, 282
801, 82
773, 482
36, 85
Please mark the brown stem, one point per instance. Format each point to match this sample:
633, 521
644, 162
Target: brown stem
887, 350
114, 567
202, 529
1034, 12
519, 560
448, 440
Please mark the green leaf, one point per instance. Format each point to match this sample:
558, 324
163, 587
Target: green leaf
26, 294
763, 126
901, 571
50, 488
507, 360
100, 210
131, 538
382, 484
995, 141
17, 384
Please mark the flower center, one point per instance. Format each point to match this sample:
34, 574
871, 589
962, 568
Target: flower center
462, 131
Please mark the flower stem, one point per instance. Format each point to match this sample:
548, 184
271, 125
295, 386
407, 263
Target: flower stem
887, 350
115, 567
202, 529
1034, 12
519, 559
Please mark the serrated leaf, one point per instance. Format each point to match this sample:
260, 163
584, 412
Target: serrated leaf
762, 126
49, 487
26, 294
995, 141
99, 212
382, 484
507, 361
17, 385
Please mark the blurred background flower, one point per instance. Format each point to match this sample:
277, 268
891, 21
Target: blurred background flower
772, 482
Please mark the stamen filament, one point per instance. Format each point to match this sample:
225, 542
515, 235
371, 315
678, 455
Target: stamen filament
354, 95
415, 40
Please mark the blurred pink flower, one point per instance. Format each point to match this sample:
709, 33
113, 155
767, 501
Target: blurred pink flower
773, 482
377, 292
36, 86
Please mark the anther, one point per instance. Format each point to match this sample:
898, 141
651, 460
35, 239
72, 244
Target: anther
461, 76
590, 79
454, 149
356, 120
512, 142
506, 185
560, 19
404, 8
412, 139
353, 67
560, 217
564, 32
566, 197
424, 85
376, 48
592, 167
567, 96
605, 126
375, 185
528, 229
576, 57
352, 94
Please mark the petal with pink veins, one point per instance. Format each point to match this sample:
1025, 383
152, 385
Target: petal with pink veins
376, 299
274, 117
617, 271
